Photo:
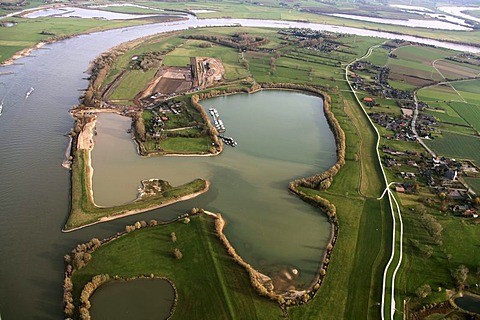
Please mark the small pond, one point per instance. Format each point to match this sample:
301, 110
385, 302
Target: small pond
140, 299
469, 303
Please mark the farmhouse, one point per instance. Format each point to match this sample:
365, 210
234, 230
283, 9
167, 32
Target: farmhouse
369, 102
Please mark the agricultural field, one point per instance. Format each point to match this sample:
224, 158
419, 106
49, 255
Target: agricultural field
455, 145
468, 90
469, 112
414, 65
132, 83
473, 183
439, 93
455, 70
445, 113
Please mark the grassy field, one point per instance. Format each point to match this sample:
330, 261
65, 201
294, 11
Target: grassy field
439, 93
473, 183
210, 285
364, 228
186, 145
445, 113
132, 83
83, 210
469, 90
469, 112
456, 146
379, 56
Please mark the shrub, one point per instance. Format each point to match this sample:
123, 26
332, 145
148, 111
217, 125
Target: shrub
177, 253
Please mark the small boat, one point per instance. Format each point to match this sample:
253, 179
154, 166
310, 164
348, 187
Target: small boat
29, 92
1, 107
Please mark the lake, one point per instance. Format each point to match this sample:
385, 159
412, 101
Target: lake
281, 135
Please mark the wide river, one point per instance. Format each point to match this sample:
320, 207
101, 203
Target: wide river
34, 189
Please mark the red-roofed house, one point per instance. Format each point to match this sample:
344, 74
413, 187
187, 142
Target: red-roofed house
369, 102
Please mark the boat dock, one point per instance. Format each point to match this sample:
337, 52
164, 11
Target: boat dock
221, 128
229, 141
216, 120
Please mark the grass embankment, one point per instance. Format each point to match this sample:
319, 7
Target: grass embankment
85, 212
210, 285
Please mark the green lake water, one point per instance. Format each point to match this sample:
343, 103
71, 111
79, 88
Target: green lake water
140, 299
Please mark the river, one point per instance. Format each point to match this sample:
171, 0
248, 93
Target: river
34, 193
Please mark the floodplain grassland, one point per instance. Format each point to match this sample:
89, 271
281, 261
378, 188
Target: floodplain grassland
210, 284
26, 33
365, 226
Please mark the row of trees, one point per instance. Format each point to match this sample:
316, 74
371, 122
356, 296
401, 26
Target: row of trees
241, 41
212, 131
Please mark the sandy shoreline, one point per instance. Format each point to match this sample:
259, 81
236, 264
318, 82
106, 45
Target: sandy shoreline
23, 53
